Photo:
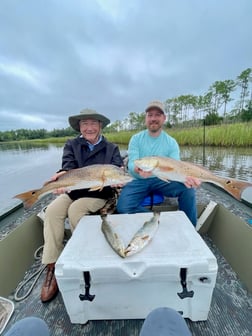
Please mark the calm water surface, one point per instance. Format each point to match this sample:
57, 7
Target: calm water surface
24, 167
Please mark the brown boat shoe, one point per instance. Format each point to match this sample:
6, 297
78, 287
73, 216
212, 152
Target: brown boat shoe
50, 287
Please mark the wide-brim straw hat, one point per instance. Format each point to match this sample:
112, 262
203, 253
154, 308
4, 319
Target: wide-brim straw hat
74, 120
155, 104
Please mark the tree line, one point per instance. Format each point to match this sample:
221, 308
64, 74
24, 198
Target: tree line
182, 111
29, 134
213, 106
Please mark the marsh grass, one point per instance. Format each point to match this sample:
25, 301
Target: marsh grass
225, 135
120, 138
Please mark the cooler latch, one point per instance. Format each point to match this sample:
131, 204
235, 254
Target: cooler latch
87, 296
185, 293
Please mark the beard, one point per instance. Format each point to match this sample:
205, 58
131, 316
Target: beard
154, 127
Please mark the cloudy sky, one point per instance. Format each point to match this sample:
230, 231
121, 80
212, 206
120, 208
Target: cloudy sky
59, 56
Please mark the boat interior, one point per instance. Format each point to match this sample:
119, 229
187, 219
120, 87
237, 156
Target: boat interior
227, 235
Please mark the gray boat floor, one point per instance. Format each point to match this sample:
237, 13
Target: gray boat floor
230, 312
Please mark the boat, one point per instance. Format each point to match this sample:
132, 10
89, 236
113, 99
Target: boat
225, 226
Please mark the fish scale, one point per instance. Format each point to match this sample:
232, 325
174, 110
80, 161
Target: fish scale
143, 236
112, 236
169, 169
93, 177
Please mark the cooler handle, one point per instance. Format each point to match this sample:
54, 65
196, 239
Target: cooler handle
185, 293
87, 296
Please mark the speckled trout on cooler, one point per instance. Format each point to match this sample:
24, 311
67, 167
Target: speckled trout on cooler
112, 237
93, 177
168, 169
143, 236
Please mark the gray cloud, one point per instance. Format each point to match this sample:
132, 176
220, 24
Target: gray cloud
58, 57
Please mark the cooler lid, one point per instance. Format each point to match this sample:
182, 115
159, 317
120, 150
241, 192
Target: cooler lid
175, 245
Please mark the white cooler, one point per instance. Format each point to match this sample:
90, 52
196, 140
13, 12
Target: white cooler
176, 269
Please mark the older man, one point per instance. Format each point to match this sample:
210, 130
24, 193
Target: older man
154, 141
89, 148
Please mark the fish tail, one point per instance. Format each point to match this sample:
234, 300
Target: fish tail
29, 197
235, 187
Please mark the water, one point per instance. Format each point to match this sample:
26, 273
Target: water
225, 162
24, 167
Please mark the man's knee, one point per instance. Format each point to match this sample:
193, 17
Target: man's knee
58, 207
74, 216
164, 321
29, 326
189, 193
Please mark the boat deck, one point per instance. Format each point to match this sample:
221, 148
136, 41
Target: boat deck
230, 313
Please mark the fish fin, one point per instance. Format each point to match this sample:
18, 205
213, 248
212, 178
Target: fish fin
235, 187
163, 179
48, 182
98, 187
165, 168
28, 198
145, 237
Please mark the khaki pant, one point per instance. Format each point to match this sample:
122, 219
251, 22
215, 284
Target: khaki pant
54, 223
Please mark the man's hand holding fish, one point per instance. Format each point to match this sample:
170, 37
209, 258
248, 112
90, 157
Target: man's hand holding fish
55, 177
192, 182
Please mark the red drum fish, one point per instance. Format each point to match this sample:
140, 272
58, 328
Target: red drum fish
168, 169
93, 177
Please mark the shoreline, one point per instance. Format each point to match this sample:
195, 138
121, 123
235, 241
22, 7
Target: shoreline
223, 135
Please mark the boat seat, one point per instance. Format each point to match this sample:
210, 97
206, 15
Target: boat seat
154, 198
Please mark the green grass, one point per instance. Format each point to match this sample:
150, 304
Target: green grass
46, 141
51, 140
225, 135
120, 138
